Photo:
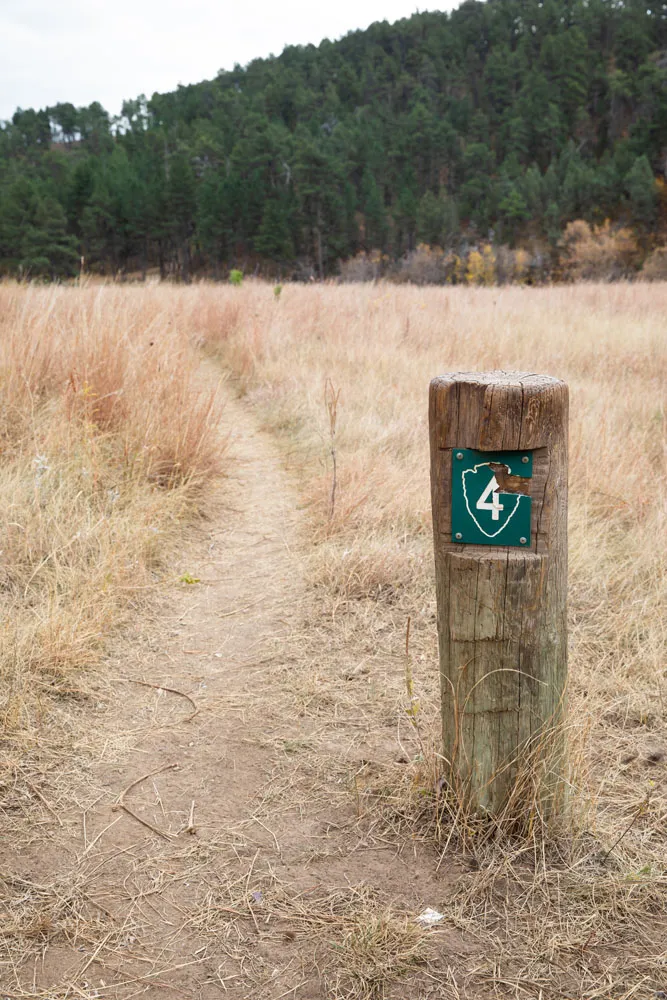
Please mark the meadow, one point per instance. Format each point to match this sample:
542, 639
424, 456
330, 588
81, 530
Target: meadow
106, 447
110, 433
374, 349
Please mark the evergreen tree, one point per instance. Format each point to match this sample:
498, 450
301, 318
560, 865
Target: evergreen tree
642, 193
33, 234
274, 239
181, 199
431, 219
513, 212
375, 215
46, 249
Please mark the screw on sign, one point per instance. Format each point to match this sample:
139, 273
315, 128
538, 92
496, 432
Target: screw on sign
499, 495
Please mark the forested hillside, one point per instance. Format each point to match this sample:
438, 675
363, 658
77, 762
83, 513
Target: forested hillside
499, 123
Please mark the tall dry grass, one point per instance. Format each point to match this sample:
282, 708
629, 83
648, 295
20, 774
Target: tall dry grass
558, 913
380, 346
108, 438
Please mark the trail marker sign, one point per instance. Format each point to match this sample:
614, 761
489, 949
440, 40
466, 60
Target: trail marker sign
482, 514
499, 500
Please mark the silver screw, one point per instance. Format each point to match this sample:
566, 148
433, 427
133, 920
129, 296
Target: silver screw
460, 536
459, 454
525, 460
523, 540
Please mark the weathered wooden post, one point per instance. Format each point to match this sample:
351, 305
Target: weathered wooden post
499, 493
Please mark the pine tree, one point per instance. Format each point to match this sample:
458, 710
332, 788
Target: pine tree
181, 199
33, 234
431, 219
274, 239
642, 193
375, 216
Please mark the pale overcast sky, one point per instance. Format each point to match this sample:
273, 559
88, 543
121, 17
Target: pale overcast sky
110, 50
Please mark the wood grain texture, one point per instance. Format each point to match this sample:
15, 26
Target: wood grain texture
501, 611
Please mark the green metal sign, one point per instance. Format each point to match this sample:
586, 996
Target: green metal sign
482, 514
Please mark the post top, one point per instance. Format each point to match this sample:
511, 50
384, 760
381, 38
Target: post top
522, 380
497, 410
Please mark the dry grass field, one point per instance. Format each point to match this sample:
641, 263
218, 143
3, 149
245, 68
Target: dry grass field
111, 445
106, 447
372, 558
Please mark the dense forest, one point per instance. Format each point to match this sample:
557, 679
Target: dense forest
496, 124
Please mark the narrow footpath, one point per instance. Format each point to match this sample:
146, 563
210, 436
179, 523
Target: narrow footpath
215, 848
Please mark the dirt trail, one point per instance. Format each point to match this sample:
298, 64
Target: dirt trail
215, 639
278, 852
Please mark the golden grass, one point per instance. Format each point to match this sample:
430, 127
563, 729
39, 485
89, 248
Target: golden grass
107, 439
360, 945
591, 893
380, 346
97, 421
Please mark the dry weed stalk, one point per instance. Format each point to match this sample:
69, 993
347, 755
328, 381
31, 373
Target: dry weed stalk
331, 398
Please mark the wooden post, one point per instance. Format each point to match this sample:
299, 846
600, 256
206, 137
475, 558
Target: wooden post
501, 580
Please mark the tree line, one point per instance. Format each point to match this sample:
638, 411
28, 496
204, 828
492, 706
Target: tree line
499, 122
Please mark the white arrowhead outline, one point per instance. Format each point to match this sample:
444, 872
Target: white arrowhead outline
465, 497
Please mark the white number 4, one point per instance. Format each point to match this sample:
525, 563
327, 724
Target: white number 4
494, 505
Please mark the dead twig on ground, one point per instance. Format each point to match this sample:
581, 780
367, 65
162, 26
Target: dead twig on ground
44, 802
163, 687
121, 804
191, 828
